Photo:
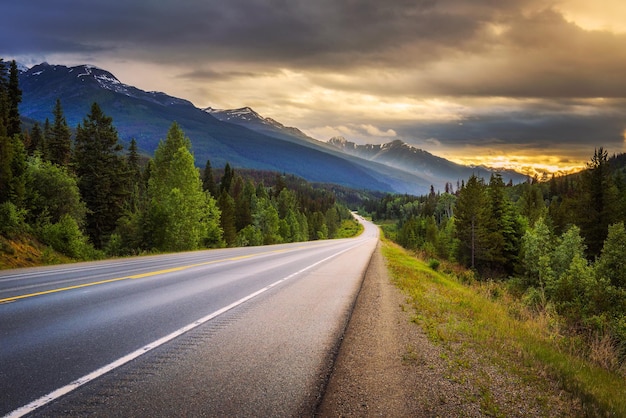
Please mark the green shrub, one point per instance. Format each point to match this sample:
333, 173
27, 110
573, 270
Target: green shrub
11, 218
66, 237
434, 264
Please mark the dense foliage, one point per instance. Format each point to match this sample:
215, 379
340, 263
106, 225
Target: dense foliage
85, 196
560, 243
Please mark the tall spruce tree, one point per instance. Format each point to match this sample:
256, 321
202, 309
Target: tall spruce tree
471, 222
503, 232
102, 174
208, 180
14, 94
598, 202
59, 141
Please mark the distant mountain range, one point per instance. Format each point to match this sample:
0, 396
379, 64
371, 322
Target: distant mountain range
240, 137
414, 160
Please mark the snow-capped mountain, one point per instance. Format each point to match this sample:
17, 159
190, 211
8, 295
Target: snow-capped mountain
249, 118
91, 76
147, 116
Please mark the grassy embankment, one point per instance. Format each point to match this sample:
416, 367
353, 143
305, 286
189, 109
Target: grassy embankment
27, 252
464, 315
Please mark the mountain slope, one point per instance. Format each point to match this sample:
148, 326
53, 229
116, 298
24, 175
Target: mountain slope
414, 160
146, 116
392, 156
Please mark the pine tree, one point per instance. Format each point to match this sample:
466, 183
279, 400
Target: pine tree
208, 181
14, 99
244, 204
135, 183
102, 174
181, 216
226, 179
471, 221
36, 142
59, 142
503, 236
4, 100
598, 202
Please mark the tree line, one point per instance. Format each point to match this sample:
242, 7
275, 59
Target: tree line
81, 193
560, 244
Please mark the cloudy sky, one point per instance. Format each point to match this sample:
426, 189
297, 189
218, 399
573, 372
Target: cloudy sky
529, 83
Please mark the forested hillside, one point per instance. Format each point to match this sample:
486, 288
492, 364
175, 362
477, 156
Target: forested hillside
559, 244
80, 193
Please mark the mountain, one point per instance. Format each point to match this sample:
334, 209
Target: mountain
396, 154
405, 157
247, 117
240, 137
147, 116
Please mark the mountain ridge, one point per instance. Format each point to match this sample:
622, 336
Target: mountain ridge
147, 116
240, 137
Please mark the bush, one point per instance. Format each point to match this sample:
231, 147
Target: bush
434, 264
11, 218
66, 237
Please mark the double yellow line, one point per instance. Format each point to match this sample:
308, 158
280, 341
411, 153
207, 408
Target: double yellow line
136, 276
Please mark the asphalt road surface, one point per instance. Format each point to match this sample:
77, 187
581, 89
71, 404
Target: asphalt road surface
234, 332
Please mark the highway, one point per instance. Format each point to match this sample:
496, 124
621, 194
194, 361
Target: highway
229, 332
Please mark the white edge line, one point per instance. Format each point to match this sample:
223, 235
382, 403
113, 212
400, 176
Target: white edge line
56, 394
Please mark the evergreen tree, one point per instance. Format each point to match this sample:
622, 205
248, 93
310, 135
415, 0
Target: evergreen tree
598, 202
244, 204
14, 95
4, 100
59, 142
226, 179
135, 183
471, 222
531, 203
208, 180
102, 174
6, 171
36, 143
503, 237
181, 216
47, 138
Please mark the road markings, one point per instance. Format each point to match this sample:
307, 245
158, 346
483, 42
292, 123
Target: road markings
136, 276
56, 394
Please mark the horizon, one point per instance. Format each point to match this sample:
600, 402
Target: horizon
523, 86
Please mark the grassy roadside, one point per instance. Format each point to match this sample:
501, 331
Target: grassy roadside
479, 318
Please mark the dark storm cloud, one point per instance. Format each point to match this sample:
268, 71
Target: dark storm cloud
288, 30
483, 48
543, 127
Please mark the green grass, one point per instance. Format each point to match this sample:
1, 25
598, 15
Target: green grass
483, 318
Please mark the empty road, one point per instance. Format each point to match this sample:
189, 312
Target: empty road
244, 331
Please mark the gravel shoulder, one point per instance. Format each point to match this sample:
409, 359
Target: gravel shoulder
386, 366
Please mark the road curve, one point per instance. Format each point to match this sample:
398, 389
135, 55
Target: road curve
245, 332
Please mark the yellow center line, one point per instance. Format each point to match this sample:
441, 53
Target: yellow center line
136, 276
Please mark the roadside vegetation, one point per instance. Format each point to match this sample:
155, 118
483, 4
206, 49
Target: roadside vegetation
78, 194
483, 324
